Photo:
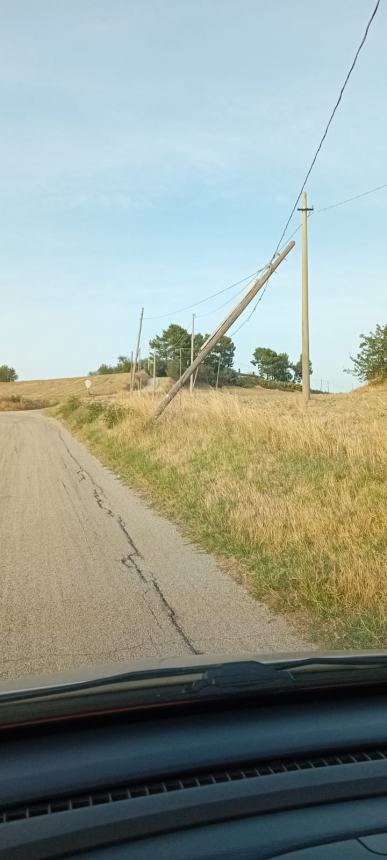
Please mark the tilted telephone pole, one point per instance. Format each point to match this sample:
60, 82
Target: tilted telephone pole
208, 346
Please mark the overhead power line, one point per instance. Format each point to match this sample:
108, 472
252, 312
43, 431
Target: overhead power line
207, 298
350, 199
257, 272
249, 277
233, 333
314, 159
339, 203
307, 175
310, 214
224, 304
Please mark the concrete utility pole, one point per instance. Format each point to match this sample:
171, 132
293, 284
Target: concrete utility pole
223, 328
217, 375
191, 381
137, 348
305, 299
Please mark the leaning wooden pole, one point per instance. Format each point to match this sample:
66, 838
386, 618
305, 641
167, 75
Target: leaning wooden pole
222, 329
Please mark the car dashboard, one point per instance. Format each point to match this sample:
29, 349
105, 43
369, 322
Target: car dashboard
304, 779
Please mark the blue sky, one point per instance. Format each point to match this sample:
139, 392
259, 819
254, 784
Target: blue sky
150, 154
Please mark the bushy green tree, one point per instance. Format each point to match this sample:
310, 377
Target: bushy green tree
123, 366
222, 357
173, 343
370, 363
7, 374
173, 354
271, 364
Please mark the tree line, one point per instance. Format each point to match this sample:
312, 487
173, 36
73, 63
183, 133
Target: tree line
172, 352
276, 366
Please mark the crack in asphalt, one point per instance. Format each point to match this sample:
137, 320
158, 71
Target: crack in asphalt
132, 560
173, 617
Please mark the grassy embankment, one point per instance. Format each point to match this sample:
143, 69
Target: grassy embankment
294, 501
50, 391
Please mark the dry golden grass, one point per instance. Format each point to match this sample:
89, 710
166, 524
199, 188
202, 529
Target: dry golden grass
112, 386
295, 499
17, 404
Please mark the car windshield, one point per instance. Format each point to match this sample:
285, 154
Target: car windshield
193, 335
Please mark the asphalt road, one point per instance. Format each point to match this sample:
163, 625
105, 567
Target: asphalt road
90, 574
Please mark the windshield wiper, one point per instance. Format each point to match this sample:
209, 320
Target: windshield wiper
189, 683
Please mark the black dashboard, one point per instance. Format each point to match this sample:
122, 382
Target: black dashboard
296, 779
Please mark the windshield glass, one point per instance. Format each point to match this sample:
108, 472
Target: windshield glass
193, 334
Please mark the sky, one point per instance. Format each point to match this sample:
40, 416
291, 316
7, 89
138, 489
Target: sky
150, 154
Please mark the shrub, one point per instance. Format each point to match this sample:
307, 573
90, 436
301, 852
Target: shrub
15, 403
70, 406
94, 410
40, 403
81, 416
114, 414
371, 360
